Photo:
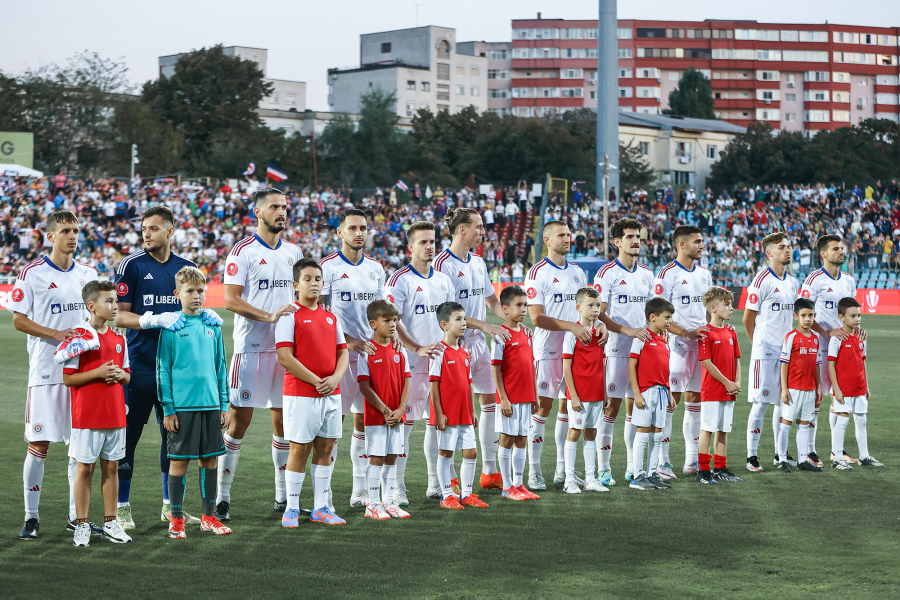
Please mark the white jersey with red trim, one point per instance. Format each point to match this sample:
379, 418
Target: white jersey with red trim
684, 289
417, 298
471, 283
625, 293
773, 300
267, 276
826, 292
352, 287
554, 288
51, 298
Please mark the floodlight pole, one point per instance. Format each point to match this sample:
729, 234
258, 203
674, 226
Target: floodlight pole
607, 104
605, 206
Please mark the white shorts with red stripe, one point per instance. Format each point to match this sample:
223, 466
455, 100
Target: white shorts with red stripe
256, 380
618, 383
351, 400
482, 374
550, 382
765, 381
48, 414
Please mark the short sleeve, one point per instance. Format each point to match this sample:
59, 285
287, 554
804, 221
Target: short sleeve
396, 295
72, 365
808, 289
284, 332
339, 334
434, 368
362, 367
864, 349
786, 347
382, 280
834, 346
22, 296
569, 345
326, 281
497, 353
534, 291
704, 350
126, 281
637, 346
660, 286
754, 298
406, 371
126, 358
737, 344
601, 284
237, 269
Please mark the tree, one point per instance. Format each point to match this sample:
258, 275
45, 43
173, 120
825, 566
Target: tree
634, 170
692, 98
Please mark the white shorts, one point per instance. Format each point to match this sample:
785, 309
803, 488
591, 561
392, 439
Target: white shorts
852, 404
618, 384
91, 444
518, 424
802, 406
48, 414
482, 374
257, 380
685, 374
382, 440
824, 374
307, 418
590, 416
352, 400
549, 375
419, 394
765, 381
656, 400
716, 416
456, 437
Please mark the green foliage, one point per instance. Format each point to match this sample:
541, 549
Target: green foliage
693, 96
634, 168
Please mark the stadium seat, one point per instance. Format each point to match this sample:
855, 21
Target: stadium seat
881, 285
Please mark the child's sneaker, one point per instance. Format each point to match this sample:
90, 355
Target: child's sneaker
377, 512
114, 532
213, 524
690, 469
841, 465
512, 493
166, 515
727, 475
455, 483
529, 495
290, 518
753, 464
123, 516
706, 477
666, 471
396, 512
82, 535
493, 481
326, 516
594, 485
451, 502
571, 487
176, 528
474, 501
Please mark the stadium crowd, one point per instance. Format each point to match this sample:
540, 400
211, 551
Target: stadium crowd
211, 219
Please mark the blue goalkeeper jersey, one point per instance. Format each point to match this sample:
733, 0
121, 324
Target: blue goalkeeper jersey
190, 368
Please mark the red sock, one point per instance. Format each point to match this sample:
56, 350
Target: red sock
704, 461
719, 461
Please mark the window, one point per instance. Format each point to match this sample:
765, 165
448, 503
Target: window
647, 32
733, 54
572, 92
410, 84
522, 111
443, 49
625, 92
886, 60
535, 53
591, 34
862, 81
625, 73
857, 58
624, 52
535, 34
473, 71
790, 78
460, 90
817, 116
840, 97
886, 99
840, 116
274, 98
745, 34
816, 76
443, 107
703, 53
768, 76
790, 97
841, 37
568, 53
683, 150
840, 77
425, 106
674, 75
460, 70
498, 94
790, 117
712, 152
722, 34
644, 148
498, 74
813, 36
790, 36
867, 39
675, 33
660, 52
443, 71
443, 92
291, 100
571, 73
768, 35
593, 95
624, 33
648, 73
804, 56
426, 86
886, 80
570, 34
720, 95
860, 102
887, 40
766, 94
547, 92
768, 55
648, 92
768, 114
588, 53
410, 109
521, 92
474, 91
816, 95
498, 55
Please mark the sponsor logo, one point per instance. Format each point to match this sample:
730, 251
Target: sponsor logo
419, 289
685, 299
753, 299
263, 284
460, 274
118, 348
121, 290
805, 293
148, 276
18, 294
345, 296
231, 269
421, 309
803, 350
829, 304
396, 358
59, 308
776, 307
530, 292
463, 294
555, 280
245, 394
148, 299
658, 290
262, 262
344, 276
53, 286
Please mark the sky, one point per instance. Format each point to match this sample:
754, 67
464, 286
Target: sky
305, 39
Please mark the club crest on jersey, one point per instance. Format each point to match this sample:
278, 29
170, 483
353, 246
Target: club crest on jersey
17, 295
345, 296
805, 293
290, 262
575, 278
372, 276
703, 280
232, 269
118, 348
730, 342
530, 292
121, 290
545, 385
443, 288
245, 394
209, 333
658, 290
598, 287
396, 358
674, 381
643, 281
467, 362
408, 408
390, 298
753, 298
329, 320
578, 421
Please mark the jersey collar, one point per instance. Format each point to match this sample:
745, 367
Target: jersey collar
623, 266
430, 271
554, 265
259, 239
346, 260
682, 266
776, 276
49, 262
468, 257
828, 275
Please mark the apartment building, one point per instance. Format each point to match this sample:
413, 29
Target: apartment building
796, 77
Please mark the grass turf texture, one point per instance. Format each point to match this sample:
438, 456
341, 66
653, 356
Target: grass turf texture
799, 535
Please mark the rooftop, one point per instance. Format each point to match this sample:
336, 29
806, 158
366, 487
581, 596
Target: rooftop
681, 123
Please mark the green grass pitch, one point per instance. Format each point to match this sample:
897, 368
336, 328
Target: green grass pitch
803, 535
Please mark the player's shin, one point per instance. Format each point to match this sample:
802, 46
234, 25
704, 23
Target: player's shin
776, 419
228, 465
630, 432
321, 485
862, 436
373, 477
281, 449
402, 458
691, 432
177, 484
72, 471
359, 462
655, 442
388, 484
487, 439
784, 435
208, 490
641, 439
667, 435
813, 429
570, 451
164, 461
754, 427
837, 436
518, 466
430, 447
33, 479
560, 433
294, 483
536, 443
589, 450
443, 474
467, 476
803, 431
504, 462
605, 433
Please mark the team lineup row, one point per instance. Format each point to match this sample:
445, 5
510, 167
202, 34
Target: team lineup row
260, 290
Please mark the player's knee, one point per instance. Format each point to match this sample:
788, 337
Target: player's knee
359, 422
39, 446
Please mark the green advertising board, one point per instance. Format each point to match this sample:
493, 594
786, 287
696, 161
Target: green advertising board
17, 149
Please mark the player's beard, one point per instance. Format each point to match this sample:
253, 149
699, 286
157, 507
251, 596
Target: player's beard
273, 228
354, 246
152, 247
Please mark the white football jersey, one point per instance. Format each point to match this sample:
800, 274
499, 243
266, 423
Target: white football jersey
554, 288
352, 287
267, 275
826, 292
417, 298
684, 289
625, 293
773, 300
471, 283
51, 298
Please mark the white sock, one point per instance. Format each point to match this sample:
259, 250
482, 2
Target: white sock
518, 465
536, 444
667, 435
443, 473
813, 428
487, 437
560, 433
431, 456
228, 465
373, 478
862, 436
776, 419
281, 449
630, 432
605, 434
832, 417
402, 458
589, 449
504, 461
359, 460
655, 442
838, 431
388, 484
754, 427
321, 484
691, 432
802, 443
467, 476
72, 470
784, 435
641, 439
570, 449
33, 479
294, 482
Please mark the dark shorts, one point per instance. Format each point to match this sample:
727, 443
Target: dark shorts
199, 435
141, 398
